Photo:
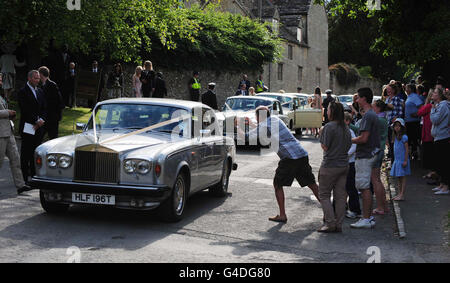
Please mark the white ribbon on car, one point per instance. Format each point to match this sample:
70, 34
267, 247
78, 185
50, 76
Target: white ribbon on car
159, 125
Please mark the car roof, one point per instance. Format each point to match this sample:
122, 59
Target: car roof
254, 97
185, 104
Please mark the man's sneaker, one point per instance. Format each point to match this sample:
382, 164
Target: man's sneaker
363, 223
352, 215
437, 189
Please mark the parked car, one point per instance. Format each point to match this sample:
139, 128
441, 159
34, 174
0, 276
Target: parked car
300, 115
240, 111
346, 99
136, 153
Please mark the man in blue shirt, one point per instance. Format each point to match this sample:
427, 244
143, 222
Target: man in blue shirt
294, 161
412, 105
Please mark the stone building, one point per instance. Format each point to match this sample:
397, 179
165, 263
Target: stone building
304, 27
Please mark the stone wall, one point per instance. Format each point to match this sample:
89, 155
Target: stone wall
338, 89
177, 82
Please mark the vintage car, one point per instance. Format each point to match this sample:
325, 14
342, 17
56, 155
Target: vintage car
300, 115
239, 111
137, 153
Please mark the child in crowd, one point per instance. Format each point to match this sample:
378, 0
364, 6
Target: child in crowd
401, 166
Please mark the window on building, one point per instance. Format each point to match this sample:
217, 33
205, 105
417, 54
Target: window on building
280, 71
299, 35
318, 76
290, 52
300, 74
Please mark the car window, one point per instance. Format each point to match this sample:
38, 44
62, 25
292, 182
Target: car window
245, 104
136, 116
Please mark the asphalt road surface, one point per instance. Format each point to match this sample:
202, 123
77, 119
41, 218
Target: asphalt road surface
231, 229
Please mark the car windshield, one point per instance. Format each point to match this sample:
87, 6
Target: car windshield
136, 116
245, 104
346, 99
280, 98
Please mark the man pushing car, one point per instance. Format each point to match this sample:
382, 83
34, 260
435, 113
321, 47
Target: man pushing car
294, 161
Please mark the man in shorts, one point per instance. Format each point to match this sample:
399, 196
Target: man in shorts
294, 161
367, 148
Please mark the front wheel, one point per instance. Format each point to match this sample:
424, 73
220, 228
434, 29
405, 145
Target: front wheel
51, 207
221, 188
172, 209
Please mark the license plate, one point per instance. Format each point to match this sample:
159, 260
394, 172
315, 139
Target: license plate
93, 198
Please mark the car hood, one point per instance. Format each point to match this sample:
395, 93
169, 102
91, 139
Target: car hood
117, 141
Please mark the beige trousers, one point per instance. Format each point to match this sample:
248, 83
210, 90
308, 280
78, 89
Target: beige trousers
8, 148
333, 180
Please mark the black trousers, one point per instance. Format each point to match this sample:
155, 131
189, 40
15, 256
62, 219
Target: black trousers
442, 158
429, 157
195, 95
353, 197
29, 144
51, 128
413, 133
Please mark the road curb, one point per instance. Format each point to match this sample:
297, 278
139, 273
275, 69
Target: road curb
396, 208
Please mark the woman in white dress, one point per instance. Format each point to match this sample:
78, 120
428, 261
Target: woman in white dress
137, 84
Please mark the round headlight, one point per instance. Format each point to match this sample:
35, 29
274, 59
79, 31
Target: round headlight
65, 161
52, 161
129, 166
143, 167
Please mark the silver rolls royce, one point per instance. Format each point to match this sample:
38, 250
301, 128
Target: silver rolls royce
137, 153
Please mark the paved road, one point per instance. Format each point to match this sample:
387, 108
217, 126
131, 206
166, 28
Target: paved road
233, 229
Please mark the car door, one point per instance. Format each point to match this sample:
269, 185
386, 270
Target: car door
277, 107
210, 163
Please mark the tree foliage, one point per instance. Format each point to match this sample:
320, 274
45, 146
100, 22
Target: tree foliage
224, 42
125, 30
413, 32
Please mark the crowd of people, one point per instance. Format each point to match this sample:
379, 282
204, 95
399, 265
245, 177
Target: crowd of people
412, 125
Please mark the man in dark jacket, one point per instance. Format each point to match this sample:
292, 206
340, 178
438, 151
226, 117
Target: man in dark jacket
33, 111
243, 91
244, 81
54, 102
209, 98
160, 86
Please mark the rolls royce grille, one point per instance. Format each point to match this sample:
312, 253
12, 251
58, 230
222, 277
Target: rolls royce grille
99, 167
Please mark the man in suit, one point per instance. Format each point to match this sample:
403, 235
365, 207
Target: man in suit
244, 81
160, 86
33, 111
243, 91
54, 103
209, 98
8, 146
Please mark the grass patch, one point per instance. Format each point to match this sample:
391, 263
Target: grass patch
70, 116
